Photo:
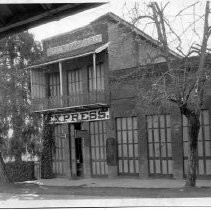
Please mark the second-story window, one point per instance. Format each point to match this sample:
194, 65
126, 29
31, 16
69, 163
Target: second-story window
74, 82
54, 84
96, 82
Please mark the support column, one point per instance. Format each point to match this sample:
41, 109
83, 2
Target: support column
142, 147
177, 143
94, 71
61, 82
61, 78
67, 169
86, 152
110, 129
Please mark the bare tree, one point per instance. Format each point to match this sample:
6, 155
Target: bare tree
183, 80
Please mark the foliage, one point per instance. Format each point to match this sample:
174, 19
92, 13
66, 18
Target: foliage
48, 148
20, 172
16, 52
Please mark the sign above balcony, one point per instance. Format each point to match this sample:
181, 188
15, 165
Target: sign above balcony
74, 45
93, 115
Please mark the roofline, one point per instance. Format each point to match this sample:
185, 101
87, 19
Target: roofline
135, 29
59, 60
120, 20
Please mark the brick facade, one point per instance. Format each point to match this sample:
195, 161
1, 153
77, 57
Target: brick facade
122, 59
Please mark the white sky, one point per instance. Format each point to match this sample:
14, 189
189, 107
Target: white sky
121, 8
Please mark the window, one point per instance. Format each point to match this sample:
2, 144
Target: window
74, 79
38, 89
96, 83
127, 139
54, 84
74, 82
159, 144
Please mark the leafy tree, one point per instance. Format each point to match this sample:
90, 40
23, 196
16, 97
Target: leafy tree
16, 52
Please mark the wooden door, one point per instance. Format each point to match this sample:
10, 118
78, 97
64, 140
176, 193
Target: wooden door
127, 139
58, 153
159, 144
97, 131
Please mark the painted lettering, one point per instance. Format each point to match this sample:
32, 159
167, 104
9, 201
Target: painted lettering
80, 116
66, 117
74, 45
101, 115
74, 117
93, 115
84, 116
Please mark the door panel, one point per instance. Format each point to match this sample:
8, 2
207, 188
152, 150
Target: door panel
159, 144
97, 131
58, 155
127, 146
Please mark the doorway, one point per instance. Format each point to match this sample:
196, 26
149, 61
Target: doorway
78, 152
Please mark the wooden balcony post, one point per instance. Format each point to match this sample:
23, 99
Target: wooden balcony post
60, 77
61, 81
94, 72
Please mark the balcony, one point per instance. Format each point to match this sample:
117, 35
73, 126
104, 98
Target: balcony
61, 102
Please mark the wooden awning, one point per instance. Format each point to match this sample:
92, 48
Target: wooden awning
97, 50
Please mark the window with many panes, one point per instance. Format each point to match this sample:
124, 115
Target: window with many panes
74, 78
204, 145
159, 144
96, 82
38, 89
54, 84
127, 139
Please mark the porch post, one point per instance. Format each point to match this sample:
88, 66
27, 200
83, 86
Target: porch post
60, 77
61, 83
94, 71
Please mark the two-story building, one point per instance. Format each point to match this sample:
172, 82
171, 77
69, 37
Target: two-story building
77, 82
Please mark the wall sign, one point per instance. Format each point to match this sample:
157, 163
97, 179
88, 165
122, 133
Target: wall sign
92, 115
74, 45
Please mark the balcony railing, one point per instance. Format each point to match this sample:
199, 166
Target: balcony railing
80, 99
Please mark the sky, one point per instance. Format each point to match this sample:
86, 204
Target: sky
182, 24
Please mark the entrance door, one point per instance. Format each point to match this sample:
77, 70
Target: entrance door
127, 138
58, 152
159, 144
79, 156
76, 145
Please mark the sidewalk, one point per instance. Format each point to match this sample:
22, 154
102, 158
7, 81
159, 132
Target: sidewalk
119, 182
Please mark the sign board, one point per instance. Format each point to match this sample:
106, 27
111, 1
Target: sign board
74, 45
92, 115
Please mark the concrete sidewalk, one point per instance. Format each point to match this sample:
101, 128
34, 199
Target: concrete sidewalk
119, 182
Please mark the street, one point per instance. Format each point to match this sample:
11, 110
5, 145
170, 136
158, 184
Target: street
35, 196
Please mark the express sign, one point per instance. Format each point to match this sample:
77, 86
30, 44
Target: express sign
79, 116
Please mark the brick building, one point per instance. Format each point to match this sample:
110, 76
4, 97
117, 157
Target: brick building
76, 82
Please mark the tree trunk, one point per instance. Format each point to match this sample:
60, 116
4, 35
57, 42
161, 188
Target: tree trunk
193, 131
3, 174
18, 157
